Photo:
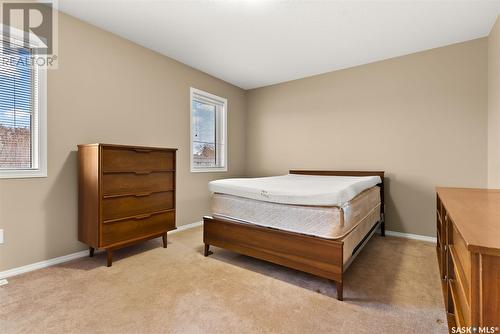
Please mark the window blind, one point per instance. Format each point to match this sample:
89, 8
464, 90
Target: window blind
17, 112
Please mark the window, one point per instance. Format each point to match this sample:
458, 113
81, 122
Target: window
22, 114
208, 132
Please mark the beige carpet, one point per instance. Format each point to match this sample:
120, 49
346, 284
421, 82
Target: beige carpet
392, 287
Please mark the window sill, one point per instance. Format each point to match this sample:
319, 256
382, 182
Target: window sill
209, 170
22, 174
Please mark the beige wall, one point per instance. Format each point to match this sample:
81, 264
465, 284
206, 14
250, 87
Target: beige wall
421, 118
108, 90
494, 106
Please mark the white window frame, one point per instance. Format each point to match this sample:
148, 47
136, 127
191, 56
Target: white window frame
39, 134
222, 133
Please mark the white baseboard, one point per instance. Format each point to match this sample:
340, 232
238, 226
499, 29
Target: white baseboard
42, 264
187, 227
69, 257
411, 236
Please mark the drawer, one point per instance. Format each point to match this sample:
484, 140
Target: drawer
131, 229
126, 206
136, 183
136, 159
460, 306
462, 255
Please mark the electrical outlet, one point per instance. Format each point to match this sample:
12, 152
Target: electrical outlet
1, 236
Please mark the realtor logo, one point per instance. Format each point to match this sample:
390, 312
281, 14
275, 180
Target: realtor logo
34, 19
30, 25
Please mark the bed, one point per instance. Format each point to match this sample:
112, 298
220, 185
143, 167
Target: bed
313, 221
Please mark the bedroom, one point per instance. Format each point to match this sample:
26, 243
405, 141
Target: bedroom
409, 88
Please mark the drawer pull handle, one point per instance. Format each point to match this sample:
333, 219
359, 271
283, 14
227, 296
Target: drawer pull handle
142, 216
143, 195
142, 150
144, 172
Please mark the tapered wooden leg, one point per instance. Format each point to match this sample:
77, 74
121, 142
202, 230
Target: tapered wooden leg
207, 250
164, 238
91, 251
109, 257
340, 288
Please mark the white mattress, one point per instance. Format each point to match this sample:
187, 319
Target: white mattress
297, 189
325, 222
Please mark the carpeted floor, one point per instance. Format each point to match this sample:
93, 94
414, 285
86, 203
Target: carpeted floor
392, 287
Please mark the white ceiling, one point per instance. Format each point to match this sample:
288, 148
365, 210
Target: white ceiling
257, 43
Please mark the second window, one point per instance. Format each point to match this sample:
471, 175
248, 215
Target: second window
208, 132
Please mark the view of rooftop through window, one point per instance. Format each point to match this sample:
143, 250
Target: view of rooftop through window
16, 109
204, 134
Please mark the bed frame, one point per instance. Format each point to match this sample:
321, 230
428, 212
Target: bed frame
318, 256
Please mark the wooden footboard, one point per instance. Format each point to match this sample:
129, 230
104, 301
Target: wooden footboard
317, 256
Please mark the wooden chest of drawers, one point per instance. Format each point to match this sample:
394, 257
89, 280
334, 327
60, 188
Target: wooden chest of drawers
126, 194
468, 248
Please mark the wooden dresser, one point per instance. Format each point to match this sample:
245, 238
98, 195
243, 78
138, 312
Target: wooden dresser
126, 194
468, 248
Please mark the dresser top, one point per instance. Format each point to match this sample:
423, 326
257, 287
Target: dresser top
128, 146
476, 214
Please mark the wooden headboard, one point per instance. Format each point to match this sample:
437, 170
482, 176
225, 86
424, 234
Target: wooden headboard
339, 173
352, 173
